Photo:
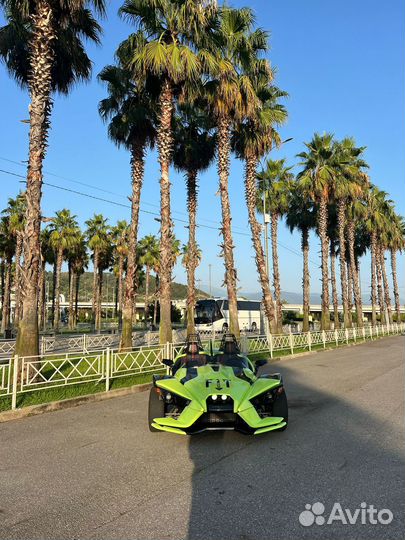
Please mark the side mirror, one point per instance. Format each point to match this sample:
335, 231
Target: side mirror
260, 363
167, 362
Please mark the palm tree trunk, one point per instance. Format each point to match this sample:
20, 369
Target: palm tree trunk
56, 317
373, 247
155, 307
5, 320
380, 284
17, 279
387, 298
395, 283
41, 60
120, 289
333, 284
305, 278
2, 277
137, 173
350, 292
323, 234
99, 298
341, 219
72, 278
146, 309
42, 295
77, 287
95, 282
192, 248
224, 151
276, 273
251, 195
355, 279
165, 143
53, 290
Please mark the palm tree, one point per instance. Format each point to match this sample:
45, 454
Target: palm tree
64, 232
44, 65
98, 241
396, 243
275, 185
301, 215
131, 110
105, 262
149, 259
7, 250
252, 138
316, 179
120, 235
174, 55
16, 212
231, 97
194, 151
376, 207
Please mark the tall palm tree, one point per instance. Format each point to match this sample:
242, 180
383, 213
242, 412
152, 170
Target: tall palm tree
64, 231
131, 110
316, 179
98, 241
120, 235
174, 55
301, 215
42, 47
16, 212
376, 207
194, 151
231, 97
149, 259
275, 185
396, 243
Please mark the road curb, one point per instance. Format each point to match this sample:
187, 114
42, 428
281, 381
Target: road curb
34, 410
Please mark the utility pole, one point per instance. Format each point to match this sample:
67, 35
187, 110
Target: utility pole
209, 279
266, 220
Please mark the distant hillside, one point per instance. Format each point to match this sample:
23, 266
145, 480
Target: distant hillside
179, 291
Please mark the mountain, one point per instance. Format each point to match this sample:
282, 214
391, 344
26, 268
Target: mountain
179, 291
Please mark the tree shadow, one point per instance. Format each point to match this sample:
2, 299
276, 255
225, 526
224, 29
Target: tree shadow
333, 451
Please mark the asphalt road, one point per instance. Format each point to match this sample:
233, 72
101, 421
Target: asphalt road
95, 471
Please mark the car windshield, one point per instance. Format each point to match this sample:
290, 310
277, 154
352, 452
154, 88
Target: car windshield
233, 360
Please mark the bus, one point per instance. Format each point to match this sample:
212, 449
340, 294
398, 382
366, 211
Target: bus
212, 314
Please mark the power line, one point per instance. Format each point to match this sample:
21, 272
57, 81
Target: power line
97, 188
122, 205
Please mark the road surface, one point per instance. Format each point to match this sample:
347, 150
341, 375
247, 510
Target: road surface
95, 471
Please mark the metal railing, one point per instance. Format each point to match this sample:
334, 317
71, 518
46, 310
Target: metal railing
29, 374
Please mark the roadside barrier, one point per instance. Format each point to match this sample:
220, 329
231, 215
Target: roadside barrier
19, 375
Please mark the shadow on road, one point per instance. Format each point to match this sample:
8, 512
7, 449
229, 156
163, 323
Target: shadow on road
333, 451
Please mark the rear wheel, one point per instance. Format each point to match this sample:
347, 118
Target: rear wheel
156, 408
280, 408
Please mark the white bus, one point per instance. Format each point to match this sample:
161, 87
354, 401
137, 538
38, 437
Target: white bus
213, 314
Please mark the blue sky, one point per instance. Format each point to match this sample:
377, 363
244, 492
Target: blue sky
343, 66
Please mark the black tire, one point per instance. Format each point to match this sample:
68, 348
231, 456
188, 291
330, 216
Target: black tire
156, 408
280, 408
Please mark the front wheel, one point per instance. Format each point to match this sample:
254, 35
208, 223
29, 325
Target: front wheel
156, 408
280, 407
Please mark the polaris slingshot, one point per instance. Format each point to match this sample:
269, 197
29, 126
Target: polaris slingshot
219, 390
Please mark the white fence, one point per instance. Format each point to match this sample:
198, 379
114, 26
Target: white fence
28, 374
